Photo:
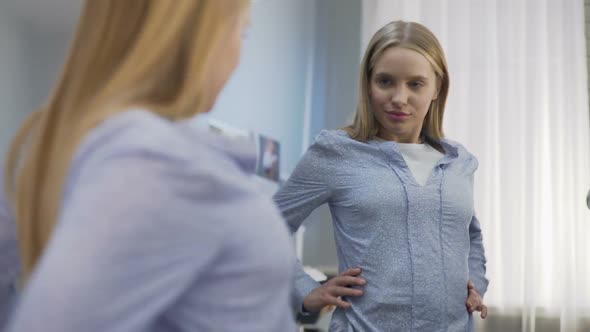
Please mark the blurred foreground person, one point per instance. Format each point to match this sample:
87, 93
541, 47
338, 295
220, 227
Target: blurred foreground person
128, 217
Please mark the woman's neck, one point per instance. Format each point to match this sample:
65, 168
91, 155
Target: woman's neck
408, 139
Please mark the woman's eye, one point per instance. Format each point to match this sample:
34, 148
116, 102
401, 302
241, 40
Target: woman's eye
384, 82
416, 85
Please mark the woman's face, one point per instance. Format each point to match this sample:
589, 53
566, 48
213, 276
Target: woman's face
228, 55
401, 89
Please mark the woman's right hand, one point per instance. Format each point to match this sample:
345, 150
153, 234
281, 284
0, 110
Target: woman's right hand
330, 292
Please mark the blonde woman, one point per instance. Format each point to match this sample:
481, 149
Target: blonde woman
409, 244
129, 218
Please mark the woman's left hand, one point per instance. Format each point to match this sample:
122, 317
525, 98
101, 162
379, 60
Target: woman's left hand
474, 301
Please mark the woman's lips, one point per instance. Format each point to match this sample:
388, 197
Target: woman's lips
397, 116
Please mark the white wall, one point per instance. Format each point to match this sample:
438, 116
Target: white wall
334, 98
13, 101
337, 61
31, 55
267, 93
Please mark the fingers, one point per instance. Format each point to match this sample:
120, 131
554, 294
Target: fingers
345, 291
334, 295
340, 303
337, 294
355, 271
335, 291
347, 281
472, 307
474, 303
341, 287
484, 311
470, 285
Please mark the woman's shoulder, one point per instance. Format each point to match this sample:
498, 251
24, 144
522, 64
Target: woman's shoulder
140, 132
337, 141
332, 136
462, 154
135, 130
462, 151
136, 140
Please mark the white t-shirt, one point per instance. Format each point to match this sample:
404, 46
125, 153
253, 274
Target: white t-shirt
421, 159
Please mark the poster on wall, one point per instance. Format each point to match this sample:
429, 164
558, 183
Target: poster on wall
269, 151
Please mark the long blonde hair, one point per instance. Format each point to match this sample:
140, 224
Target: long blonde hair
156, 54
416, 37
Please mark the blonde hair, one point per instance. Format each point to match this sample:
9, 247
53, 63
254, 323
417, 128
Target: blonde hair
416, 37
156, 54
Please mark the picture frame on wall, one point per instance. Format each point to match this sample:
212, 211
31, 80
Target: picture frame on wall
269, 156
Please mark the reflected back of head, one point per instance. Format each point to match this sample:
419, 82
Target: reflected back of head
159, 55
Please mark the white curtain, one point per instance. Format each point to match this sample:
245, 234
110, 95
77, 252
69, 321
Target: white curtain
519, 102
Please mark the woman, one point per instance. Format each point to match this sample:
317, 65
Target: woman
129, 218
409, 245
